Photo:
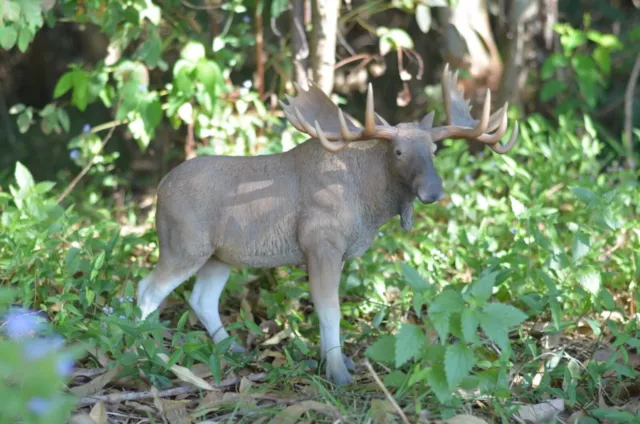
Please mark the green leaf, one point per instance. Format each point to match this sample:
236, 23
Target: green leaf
458, 362
63, 119
553, 62
23, 177
277, 6
441, 309
409, 342
581, 245
193, 51
17, 108
26, 35
383, 350
590, 281
64, 84
97, 265
583, 193
80, 96
423, 17
482, 289
216, 367
438, 382
602, 56
8, 36
551, 89
496, 320
469, 323
413, 278
608, 41
511, 315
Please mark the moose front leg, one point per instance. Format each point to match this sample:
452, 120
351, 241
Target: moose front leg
324, 268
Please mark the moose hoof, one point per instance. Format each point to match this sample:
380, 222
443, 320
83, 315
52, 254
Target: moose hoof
351, 366
235, 347
338, 373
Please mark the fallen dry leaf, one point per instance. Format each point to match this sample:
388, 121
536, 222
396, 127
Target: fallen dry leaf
465, 419
174, 411
382, 411
81, 419
292, 413
95, 386
541, 412
99, 413
186, 375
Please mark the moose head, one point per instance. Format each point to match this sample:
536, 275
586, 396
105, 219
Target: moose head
413, 144
316, 205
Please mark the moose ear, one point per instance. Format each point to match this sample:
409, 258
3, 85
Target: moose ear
427, 121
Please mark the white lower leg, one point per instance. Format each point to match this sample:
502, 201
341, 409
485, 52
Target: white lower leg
152, 292
330, 344
205, 298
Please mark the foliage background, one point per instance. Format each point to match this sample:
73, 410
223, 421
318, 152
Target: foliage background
519, 288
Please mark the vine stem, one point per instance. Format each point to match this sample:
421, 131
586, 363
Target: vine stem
111, 126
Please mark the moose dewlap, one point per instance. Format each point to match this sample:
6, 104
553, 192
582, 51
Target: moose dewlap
316, 205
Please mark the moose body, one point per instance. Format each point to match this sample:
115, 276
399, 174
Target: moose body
259, 210
317, 205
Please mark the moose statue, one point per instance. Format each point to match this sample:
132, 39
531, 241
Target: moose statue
315, 205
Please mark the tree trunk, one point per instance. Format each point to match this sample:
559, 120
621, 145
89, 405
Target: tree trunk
526, 20
323, 42
469, 43
299, 43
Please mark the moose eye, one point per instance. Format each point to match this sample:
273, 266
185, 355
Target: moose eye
398, 152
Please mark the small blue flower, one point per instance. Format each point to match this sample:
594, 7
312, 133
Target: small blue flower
247, 84
129, 299
142, 88
86, 128
65, 365
514, 231
246, 18
380, 233
123, 317
74, 154
20, 322
39, 348
40, 406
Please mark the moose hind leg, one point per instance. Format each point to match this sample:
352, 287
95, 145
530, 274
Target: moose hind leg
169, 273
205, 299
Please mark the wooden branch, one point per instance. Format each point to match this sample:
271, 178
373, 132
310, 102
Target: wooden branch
386, 392
628, 112
122, 397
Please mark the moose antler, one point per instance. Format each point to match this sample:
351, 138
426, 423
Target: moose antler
462, 125
319, 109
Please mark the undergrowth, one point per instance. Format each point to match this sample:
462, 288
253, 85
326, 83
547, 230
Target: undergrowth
482, 307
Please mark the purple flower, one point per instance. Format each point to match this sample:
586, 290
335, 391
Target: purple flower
86, 128
39, 348
65, 364
20, 322
40, 406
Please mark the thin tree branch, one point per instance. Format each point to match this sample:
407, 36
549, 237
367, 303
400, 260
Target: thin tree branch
121, 397
386, 392
76, 180
628, 112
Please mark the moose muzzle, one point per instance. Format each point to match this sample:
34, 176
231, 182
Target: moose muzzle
430, 193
